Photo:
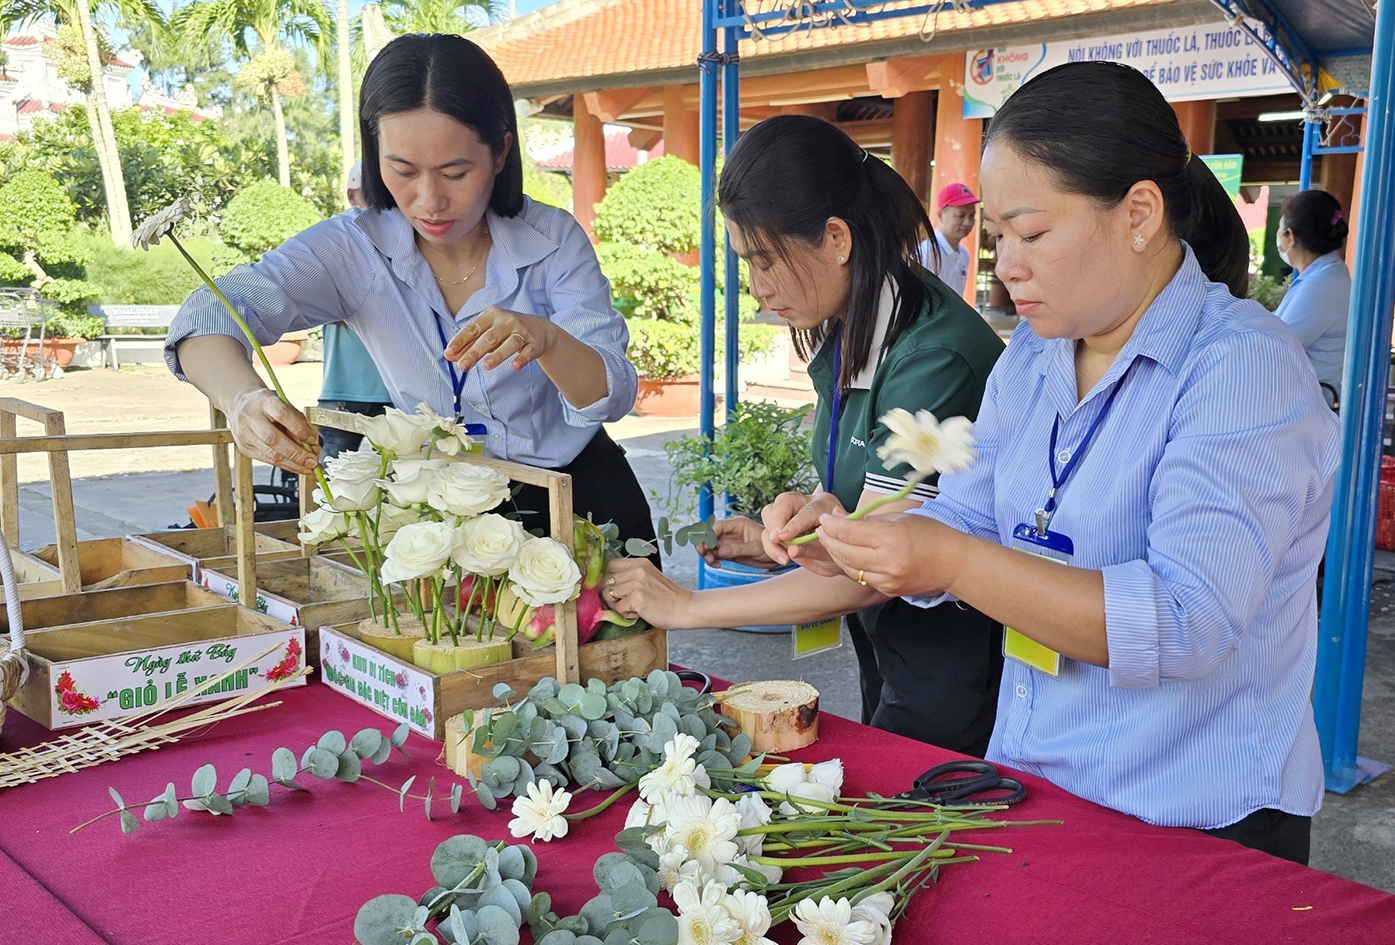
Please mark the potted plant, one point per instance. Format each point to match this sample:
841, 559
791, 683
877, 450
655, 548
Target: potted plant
65, 331
762, 451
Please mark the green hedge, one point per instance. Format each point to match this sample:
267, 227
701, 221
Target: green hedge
265, 215
655, 206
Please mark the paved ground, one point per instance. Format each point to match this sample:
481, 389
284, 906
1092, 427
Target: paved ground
125, 493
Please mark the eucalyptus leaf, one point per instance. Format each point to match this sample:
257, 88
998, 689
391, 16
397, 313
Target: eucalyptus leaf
258, 792
204, 781
171, 798
574, 924
740, 748
218, 804
116, 797
504, 899
195, 804
129, 823
588, 940
399, 736
485, 796
558, 937
379, 920
503, 690
283, 766
660, 928
593, 706
522, 895
456, 792
530, 865
366, 742
525, 778
614, 870
430, 793
156, 810
571, 695
402, 793
544, 689
596, 685
332, 741
305, 757
384, 749
350, 768
455, 858
424, 938
598, 913
501, 770
497, 926
539, 906
607, 736
630, 900
693, 726
574, 726
240, 782
323, 763
607, 780
464, 925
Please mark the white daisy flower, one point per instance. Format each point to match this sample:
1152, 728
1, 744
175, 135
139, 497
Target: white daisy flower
540, 812
705, 828
676, 867
877, 910
831, 923
754, 813
727, 874
751, 912
159, 225
702, 917
925, 444
675, 775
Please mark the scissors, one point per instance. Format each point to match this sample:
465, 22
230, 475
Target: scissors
963, 782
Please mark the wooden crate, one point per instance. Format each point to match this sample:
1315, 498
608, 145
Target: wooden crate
104, 669
119, 562
112, 605
406, 692
304, 592
34, 578
198, 546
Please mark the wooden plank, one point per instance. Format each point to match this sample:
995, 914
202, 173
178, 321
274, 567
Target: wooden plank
559, 504
116, 562
222, 469
111, 604
60, 482
111, 441
246, 515
22, 408
138, 632
9, 479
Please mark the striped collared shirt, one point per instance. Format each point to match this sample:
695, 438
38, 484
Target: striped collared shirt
363, 267
1204, 500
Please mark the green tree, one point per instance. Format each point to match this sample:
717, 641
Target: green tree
264, 216
80, 56
655, 206
441, 16
261, 33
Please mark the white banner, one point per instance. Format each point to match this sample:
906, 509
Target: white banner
1187, 63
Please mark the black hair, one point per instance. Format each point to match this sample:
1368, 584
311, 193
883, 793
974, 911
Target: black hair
1316, 220
1098, 128
783, 181
450, 75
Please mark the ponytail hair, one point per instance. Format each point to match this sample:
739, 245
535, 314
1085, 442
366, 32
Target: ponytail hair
786, 178
1098, 128
1316, 220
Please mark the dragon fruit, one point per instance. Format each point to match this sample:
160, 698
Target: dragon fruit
539, 623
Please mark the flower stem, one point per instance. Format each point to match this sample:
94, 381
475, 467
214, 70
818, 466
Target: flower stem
896, 496
593, 811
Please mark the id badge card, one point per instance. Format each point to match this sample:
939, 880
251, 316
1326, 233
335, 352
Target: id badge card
477, 433
806, 639
1053, 546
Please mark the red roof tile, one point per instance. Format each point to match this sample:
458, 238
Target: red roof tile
620, 155
22, 41
27, 106
619, 37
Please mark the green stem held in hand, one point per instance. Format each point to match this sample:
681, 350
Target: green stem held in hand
865, 510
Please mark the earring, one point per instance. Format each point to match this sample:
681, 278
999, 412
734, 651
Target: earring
1138, 241
841, 259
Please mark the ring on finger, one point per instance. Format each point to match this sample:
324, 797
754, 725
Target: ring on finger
522, 341
610, 583
860, 579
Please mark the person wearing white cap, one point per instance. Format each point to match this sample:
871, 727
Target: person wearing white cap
353, 186
955, 206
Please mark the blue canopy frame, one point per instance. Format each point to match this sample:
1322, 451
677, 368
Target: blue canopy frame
1302, 38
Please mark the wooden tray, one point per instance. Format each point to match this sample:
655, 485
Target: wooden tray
112, 604
119, 562
197, 546
304, 592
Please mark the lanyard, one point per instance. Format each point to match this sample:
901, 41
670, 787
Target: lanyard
1043, 515
457, 379
837, 413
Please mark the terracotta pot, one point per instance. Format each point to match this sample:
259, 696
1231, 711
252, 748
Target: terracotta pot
58, 351
675, 397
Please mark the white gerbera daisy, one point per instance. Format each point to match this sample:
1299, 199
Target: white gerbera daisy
751, 912
705, 828
702, 917
754, 813
925, 444
540, 812
675, 775
831, 923
676, 868
876, 909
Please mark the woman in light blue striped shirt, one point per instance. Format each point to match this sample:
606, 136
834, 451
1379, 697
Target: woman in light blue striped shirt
1175, 436
449, 273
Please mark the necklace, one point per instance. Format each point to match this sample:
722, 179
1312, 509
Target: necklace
473, 269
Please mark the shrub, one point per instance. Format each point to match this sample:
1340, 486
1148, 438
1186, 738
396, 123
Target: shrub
13, 272
73, 296
265, 215
159, 276
68, 325
1268, 291
663, 350
655, 206
762, 451
647, 283
32, 204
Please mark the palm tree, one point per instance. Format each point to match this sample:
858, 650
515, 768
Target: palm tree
346, 91
269, 71
442, 16
81, 62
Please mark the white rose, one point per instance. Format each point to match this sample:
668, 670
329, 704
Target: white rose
390, 520
544, 573
785, 778
417, 550
449, 437
350, 496
360, 465
467, 490
488, 545
410, 477
827, 772
321, 525
398, 433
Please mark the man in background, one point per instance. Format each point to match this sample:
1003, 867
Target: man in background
956, 207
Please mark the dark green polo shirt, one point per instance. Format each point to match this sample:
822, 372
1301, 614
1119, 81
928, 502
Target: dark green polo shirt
939, 363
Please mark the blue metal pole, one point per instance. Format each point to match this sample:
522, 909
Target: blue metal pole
1347, 600
1305, 173
707, 259
731, 130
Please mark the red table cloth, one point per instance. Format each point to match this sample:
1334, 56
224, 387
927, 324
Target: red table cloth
298, 870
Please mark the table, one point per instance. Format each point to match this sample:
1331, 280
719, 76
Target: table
297, 871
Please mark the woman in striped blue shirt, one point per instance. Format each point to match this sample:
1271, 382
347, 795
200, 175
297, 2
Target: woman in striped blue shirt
469, 296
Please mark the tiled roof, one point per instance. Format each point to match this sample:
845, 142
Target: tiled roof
24, 40
620, 155
27, 106
619, 37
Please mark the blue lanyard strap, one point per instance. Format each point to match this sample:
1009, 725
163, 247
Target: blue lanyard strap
457, 378
1058, 480
837, 412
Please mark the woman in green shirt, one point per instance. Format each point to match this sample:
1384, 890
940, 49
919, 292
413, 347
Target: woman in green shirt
832, 238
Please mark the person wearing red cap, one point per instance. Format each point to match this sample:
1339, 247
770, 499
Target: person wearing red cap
956, 208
